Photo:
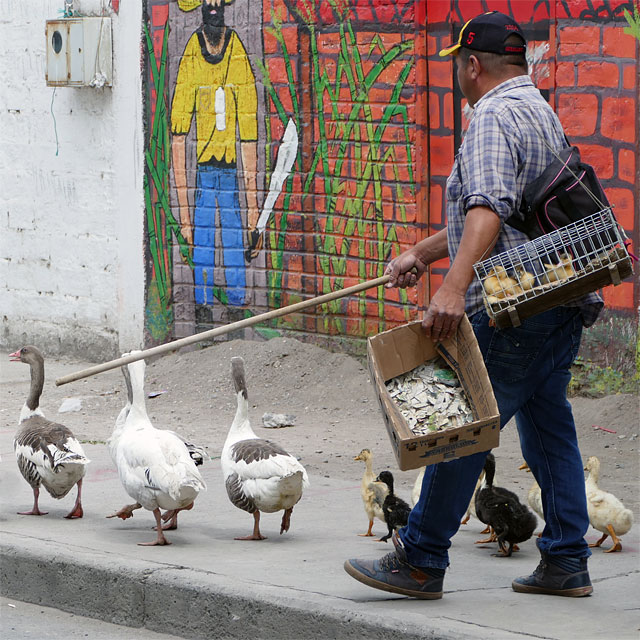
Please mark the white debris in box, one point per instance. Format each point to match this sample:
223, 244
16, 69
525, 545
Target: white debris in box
430, 398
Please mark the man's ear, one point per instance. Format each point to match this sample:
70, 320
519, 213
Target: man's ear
476, 67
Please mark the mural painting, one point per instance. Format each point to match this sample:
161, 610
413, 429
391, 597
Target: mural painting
294, 146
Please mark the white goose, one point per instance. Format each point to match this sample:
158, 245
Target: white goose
259, 475
154, 465
48, 454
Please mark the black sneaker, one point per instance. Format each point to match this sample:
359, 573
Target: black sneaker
557, 576
393, 573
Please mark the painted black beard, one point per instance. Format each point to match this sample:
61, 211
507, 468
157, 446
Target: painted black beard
213, 24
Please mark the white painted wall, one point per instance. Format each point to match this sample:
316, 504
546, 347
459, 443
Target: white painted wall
71, 210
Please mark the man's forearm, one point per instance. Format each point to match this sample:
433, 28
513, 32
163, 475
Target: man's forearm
433, 247
481, 229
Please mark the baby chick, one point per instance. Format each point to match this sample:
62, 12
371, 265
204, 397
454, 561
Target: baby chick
499, 284
558, 272
527, 280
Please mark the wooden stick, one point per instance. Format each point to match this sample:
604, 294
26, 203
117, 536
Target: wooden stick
218, 331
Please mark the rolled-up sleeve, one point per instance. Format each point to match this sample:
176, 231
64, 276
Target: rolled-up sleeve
489, 166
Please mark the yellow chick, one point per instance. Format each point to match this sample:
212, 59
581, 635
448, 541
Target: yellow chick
558, 272
527, 280
499, 284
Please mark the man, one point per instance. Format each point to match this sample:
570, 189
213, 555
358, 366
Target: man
528, 366
216, 82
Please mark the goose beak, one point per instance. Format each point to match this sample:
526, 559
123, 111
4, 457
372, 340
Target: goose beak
15, 357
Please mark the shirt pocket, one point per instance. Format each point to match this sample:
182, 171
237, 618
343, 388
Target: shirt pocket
454, 185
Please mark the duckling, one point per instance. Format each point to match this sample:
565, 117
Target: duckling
606, 513
499, 284
396, 510
471, 509
526, 280
501, 509
534, 497
372, 503
417, 488
558, 272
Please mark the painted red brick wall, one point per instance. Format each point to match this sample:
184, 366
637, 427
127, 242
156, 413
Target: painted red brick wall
591, 76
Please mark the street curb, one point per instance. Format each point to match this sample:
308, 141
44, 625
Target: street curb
182, 601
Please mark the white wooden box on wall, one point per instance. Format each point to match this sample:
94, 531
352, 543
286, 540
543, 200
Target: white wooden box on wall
79, 52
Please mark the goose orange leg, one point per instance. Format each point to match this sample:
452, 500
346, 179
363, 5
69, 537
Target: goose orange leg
256, 535
368, 534
160, 540
600, 541
35, 511
286, 520
172, 516
465, 519
77, 511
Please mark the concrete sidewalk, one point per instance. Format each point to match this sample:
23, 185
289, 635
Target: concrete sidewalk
207, 585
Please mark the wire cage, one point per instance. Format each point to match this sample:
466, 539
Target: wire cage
554, 269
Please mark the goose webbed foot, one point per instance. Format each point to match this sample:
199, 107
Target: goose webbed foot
256, 535
77, 511
160, 540
126, 511
35, 511
286, 520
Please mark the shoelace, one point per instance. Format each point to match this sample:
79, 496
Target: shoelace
390, 562
540, 569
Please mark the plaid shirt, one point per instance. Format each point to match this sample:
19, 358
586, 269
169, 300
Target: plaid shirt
501, 153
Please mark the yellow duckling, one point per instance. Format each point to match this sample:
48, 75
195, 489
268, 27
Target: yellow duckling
499, 284
606, 513
534, 497
371, 499
527, 280
558, 272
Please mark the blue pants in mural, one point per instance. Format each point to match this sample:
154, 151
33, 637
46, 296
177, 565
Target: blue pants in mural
217, 189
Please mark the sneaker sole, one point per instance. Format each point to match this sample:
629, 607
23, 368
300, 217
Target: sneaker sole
577, 592
376, 584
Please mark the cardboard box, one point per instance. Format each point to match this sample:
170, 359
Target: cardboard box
399, 350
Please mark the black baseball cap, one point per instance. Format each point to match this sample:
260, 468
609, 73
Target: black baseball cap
488, 32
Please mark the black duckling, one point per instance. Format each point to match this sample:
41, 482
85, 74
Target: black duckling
396, 510
511, 521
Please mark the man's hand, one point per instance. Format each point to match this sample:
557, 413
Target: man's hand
404, 270
444, 313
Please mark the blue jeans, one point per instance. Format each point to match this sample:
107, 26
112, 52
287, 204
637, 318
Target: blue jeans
217, 189
529, 371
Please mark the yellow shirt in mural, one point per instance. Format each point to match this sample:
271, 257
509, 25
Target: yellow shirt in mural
222, 92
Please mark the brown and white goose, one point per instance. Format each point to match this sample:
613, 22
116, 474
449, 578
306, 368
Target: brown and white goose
259, 475
48, 454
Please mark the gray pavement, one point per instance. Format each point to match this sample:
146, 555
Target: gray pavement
207, 585
24, 621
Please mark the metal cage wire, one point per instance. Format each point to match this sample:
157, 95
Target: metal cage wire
531, 269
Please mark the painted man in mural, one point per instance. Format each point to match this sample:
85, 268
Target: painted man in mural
216, 84
505, 148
